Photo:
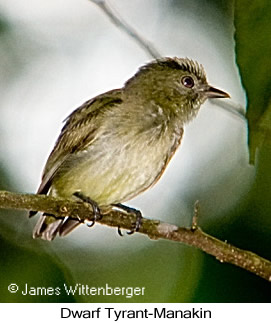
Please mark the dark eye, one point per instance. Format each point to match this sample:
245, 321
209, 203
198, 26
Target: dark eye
188, 81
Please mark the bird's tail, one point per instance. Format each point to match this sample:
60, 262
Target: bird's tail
48, 227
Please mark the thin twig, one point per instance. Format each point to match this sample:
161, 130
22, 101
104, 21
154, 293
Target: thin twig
236, 110
128, 29
221, 250
195, 219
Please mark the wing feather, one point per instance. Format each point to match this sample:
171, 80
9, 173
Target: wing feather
71, 140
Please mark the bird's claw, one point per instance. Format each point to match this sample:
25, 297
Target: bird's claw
130, 210
95, 208
137, 224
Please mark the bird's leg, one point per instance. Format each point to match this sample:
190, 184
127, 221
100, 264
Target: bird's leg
130, 210
96, 210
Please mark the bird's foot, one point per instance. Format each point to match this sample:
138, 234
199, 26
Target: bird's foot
130, 210
96, 210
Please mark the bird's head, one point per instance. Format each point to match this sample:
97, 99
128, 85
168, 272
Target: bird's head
175, 84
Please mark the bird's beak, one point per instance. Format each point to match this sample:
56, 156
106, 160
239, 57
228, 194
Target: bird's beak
212, 93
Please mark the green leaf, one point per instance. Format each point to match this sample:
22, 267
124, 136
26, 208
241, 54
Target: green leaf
253, 50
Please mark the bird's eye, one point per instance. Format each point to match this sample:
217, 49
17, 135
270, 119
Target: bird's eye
187, 81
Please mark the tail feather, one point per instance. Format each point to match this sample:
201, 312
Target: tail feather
32, 213
68, 226
45, 228
43, 190
48, 227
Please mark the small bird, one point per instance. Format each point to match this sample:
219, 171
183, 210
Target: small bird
118, 144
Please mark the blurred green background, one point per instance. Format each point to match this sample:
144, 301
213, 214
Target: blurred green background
54, 56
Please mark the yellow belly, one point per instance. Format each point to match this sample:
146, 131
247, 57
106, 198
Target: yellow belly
111, 173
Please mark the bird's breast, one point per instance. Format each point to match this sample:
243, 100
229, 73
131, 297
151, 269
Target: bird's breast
117, 167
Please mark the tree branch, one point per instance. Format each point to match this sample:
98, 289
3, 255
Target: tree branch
120, 23
195, 237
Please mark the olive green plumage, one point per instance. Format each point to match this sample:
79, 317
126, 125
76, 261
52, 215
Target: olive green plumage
118, 144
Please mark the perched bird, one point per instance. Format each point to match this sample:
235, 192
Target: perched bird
118, 144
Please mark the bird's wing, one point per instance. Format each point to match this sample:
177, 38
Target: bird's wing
71, 140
